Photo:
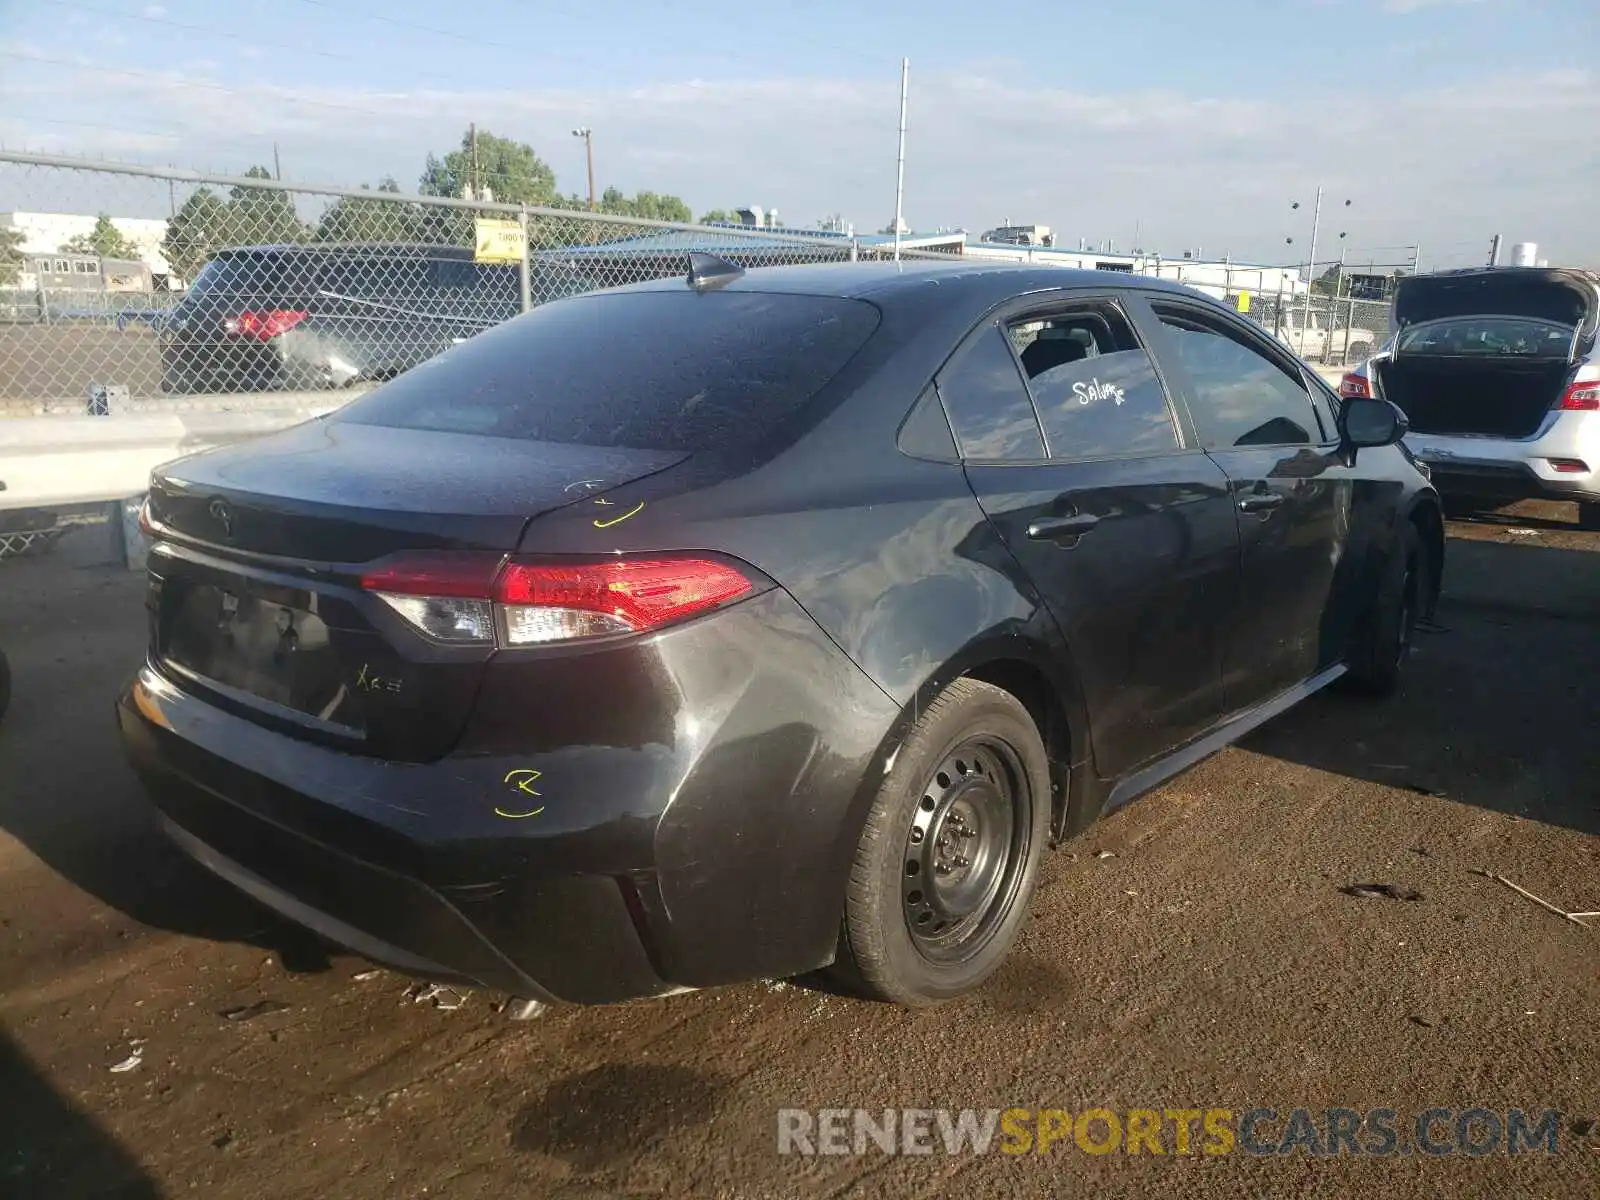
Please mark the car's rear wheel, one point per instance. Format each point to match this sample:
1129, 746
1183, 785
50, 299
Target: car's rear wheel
1589, 515
1384, 642
949, 854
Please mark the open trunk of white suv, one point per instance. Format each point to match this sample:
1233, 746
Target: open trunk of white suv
1495, 369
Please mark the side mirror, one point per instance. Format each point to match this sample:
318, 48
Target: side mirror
1367, 422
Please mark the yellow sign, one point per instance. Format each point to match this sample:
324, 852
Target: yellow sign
1243, 301
498, 241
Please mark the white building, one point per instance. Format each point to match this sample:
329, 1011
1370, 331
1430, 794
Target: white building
46, 233
1219, 279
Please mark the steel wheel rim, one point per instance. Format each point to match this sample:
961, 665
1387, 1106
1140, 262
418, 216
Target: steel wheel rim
963, 854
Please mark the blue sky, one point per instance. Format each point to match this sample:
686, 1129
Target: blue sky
1188, 125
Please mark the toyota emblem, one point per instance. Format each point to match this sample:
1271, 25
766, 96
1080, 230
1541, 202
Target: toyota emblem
224, 515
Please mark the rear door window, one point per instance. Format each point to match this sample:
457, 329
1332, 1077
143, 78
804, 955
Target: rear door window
988, 404
1095, 389
1240, 396
646, 370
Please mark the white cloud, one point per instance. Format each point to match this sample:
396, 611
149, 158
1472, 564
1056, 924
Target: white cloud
1402, 7
1445, 167
154, 10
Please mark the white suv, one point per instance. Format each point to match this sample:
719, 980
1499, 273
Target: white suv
1498, 371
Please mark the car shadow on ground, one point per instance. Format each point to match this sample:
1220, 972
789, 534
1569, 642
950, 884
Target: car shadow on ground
49, 1148
73, 635
1498, 703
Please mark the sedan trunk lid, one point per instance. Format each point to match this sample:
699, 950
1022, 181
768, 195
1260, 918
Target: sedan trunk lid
256, 599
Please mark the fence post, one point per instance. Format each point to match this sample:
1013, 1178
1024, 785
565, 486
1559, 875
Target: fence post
524, 268
855, 246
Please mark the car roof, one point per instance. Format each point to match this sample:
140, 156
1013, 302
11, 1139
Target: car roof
962, 283
371, 249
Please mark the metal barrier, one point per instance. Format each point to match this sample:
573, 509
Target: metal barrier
271, 286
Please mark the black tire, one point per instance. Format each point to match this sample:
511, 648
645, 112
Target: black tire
965, 814
1589, 515
1384, 642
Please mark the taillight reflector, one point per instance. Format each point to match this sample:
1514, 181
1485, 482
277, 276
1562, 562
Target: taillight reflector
480, 599
264, 326
1583, 396
1569, 466
1355, 386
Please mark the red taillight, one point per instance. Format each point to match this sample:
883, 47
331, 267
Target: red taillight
1569, 466
1355, 386
1583, 396
472, 598
470, 576
264, 326
555, 603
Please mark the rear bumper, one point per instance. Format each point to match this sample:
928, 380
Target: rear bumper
716, 856
1517, 469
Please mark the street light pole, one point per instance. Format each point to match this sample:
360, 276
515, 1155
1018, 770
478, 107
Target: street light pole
1311, 274
900, 162
587, 135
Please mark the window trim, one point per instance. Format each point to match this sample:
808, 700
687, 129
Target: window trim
1068, 304
1242, 331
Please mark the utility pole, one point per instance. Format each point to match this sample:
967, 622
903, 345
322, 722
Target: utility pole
1494, 251
472, 161
1311, 272
587, 135
277, 167
900, 164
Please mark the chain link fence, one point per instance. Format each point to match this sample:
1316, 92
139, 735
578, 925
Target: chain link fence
254, 286
1331, 327
229, 291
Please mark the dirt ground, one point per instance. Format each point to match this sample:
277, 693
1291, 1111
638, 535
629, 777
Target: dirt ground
1210, 960
49, 363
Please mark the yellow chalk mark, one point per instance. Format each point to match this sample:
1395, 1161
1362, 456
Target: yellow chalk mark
599, 524
522, 779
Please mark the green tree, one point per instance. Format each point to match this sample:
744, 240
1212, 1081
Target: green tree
719, 216
511, 171
106, 240
649, 205
10, 256
262, 216
196, 232
351, 219
1329, 283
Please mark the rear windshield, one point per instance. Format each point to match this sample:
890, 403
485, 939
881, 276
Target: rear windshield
279, 275
1489, 336
267, 276
647, 370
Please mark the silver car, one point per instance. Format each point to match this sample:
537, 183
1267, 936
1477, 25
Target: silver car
1498, 370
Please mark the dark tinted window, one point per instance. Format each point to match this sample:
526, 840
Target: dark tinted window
1495, 337
1095, 388
926, 433
651, 370
1241, 397
266, 278
379, 277
988, 403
